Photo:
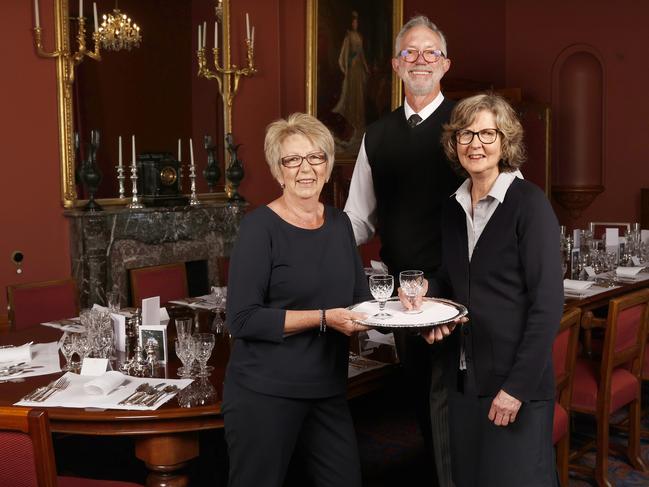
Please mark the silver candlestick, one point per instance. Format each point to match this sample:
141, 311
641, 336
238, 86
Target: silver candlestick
120, 179
193, 199
135, 201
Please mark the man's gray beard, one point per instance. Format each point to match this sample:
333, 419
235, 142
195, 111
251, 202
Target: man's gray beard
421, 90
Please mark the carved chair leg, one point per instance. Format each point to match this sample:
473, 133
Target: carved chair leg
633, 448
601, 457
563, 452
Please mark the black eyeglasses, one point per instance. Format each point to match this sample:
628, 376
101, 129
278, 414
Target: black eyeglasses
294, 160
429, 55
486, 136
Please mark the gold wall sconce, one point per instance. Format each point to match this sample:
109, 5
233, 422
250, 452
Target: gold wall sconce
62, 52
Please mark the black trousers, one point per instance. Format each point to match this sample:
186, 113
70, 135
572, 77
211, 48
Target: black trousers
423, 367
486, 455
263, 431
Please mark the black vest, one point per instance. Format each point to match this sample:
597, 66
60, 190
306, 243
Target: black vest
412, 180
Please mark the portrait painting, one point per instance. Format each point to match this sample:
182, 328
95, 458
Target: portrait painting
350, 82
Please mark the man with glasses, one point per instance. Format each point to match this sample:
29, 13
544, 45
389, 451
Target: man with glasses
400, 183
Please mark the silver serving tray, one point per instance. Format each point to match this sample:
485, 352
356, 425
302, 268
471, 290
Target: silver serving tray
461, 311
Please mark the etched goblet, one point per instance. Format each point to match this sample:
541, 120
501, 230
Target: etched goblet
412, 282
381, 287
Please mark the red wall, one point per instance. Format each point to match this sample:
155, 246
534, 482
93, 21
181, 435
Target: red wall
31, 219
537, 32
505, 43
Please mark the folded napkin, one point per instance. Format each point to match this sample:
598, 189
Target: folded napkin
104, 384
15, 355
628, 271
573, 285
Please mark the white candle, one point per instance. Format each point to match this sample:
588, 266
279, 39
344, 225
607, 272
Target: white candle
120, 151
252, 41
179, 151
133, 150
191, 153
80, 8
199, 36
94, 11
216, 34
204, 32
247, 26
36, 14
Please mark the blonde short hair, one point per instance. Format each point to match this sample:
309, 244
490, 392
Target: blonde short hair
511, 131
297, 124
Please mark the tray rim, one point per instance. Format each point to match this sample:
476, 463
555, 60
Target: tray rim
462, 311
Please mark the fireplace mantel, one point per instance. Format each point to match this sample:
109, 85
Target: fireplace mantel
105, 245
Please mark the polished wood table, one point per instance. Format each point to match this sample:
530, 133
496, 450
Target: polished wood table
165, 439
600, 300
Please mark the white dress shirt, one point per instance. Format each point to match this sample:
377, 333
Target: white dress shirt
361, 202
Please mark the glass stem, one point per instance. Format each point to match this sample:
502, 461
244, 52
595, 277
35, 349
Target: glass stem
381, 306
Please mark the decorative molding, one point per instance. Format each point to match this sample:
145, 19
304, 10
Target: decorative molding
576, 199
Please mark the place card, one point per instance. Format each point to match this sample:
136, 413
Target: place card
94, 367
151, 311
636, 261
589, 271
612, 237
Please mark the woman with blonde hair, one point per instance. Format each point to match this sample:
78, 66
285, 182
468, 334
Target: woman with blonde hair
293, 271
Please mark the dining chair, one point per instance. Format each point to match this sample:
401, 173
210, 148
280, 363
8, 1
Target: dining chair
564, 355
27, 455
599, 228
601, 389
168, 281
37, 302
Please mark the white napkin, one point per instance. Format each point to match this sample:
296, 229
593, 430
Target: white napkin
15, 355
628, 271
574, 285
104, 384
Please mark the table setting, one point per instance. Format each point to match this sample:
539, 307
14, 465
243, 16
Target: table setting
111, 390
28, 360
211, 302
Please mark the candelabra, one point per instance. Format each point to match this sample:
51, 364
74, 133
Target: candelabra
121, 178
64, 53
135, 203
193, 199
226, 74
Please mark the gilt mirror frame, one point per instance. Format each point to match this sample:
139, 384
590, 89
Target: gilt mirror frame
313, 64
65, 101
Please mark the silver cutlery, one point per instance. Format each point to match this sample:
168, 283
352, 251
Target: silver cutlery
59, 385
171, 389
152, 392
141, 388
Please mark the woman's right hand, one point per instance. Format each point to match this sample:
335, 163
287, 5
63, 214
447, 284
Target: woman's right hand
343, 320
438, 333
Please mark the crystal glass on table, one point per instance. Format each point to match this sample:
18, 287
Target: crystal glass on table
412, 283
67, 350
381, 287
184, 328
185, 352
203, 346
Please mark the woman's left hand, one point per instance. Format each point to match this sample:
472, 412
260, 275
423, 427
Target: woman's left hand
504, 409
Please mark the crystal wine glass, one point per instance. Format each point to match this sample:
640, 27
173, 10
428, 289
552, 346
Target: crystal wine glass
185, 352
203, 346
412, 282
67, 349
381, 287
184, 328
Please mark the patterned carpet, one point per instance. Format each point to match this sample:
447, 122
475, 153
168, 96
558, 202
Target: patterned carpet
392, 451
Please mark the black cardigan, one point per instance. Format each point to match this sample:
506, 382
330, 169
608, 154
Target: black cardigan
514, 292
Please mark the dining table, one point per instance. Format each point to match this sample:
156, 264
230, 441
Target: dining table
166, 439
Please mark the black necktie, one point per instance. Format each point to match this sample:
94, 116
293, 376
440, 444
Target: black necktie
414, 120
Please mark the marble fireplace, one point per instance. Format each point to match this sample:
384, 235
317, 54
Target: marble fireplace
105, 245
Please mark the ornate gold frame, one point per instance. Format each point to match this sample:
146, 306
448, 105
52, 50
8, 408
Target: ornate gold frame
64, 100
312, 55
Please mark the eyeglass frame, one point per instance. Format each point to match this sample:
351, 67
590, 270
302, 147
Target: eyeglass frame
473, 134
438, 53
304, 158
